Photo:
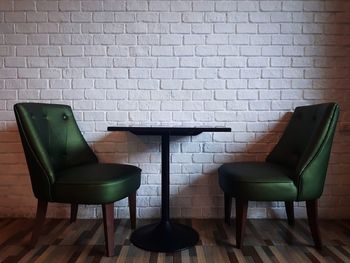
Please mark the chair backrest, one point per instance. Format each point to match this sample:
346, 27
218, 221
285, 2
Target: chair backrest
305, 147
52, 142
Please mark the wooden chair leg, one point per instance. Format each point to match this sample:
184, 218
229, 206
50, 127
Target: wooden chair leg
241, 218
39, 221
312, 215
73, 212
228, 206
132, 210
108, 224
290, 212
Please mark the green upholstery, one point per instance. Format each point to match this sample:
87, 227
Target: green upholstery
258, 181
296, 168
107, 182
62, 166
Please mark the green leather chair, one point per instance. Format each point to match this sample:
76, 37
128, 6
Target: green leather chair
64, 169
295, 170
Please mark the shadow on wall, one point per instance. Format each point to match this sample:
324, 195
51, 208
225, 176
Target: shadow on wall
332, 67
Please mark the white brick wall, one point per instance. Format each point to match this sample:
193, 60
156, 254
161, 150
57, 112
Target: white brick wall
241, 64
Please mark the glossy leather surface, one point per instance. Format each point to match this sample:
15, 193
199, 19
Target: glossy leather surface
257, 181
54, 145
109, 182
303, 150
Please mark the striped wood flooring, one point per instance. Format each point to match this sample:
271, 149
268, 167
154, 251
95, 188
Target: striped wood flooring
265, 241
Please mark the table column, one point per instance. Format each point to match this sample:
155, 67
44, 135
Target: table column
164, 236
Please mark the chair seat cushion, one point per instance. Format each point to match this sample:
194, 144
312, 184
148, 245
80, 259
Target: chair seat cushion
257, 181
96, 183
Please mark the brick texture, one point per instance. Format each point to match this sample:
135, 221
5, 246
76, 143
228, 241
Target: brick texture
240, 64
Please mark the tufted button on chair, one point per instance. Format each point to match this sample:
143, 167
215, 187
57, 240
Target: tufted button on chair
64, 169
295, 170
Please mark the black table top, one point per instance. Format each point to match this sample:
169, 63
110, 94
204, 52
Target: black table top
160, 130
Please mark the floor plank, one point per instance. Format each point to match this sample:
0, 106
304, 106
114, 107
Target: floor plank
270, 241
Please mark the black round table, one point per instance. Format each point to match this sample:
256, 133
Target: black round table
166, 236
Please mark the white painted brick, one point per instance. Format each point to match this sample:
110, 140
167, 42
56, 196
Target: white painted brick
28, 73
214, 84
259, 17
182, 51
194, 39
15, 84
126, 84
246, 28
206, 73
38, 84
101, 62
147, 17
161, 73
15, 62
124, 62
146, 62
148, 39
105, 84
206, 50
240, 64
139, 73
258, 62
260, 40
159, 6
148, 84
280, 84
162, 51
60, 84
48, 28
281, 17
235, 17
79, 62
269, 28
228, 73
191, 17
214, 18
280, 62
250, 73
227, 50
50, 73
225, 6
271, 51
190, 62
217, 39
171, 106
184, 73
71, 73
92, 28
20, 28
158, 28
82, 83
271, 6
170, 40
250, 51
258, 84
17, 39
192, 106
180, 6
117, 73
171, 84
58, 62
170, 17
51, 95
224, 28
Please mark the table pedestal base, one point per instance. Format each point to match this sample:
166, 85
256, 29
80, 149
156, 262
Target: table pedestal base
164, 236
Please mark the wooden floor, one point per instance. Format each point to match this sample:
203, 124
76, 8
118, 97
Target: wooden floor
265, 241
